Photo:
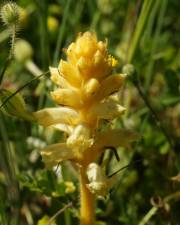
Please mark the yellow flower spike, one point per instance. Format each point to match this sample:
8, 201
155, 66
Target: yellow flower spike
90, 55
86, 96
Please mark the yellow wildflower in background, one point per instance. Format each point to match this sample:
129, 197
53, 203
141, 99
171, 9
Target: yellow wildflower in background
69, 187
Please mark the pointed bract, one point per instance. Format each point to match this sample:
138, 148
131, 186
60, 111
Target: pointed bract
56, 153
106, 110
52, 116
115, 138
67, 97
58, 79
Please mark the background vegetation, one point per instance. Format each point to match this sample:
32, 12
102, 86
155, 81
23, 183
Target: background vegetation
144, 33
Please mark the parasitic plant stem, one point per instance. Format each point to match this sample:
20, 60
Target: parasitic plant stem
87, 201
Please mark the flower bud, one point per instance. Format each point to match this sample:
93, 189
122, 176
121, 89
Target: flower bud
10, 13
15, 106
52, 24
22, 50
128, 69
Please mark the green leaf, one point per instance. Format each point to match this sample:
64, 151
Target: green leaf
170, 100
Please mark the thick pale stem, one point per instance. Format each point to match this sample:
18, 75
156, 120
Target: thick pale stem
87, 201
31, 66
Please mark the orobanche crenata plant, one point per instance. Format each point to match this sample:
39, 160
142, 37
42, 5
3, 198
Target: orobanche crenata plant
87, 95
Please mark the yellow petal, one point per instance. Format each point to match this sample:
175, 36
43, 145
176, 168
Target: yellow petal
110, 85
56, 153
67, 97
58, 79
115, 138
70, 73
71, 54
98, 58
82, 64
106, 110
51, 116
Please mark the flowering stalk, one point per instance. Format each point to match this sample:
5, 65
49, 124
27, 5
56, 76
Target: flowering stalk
87, 210
87, 95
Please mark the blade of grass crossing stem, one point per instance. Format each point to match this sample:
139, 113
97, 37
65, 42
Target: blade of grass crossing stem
146, 8
21, 88
162, 5
95, 20
44, 45
42, 97
149, 27
61, 32
43, 33
78, 11
6, 64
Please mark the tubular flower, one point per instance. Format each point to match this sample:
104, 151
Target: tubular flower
98, 184
84, 98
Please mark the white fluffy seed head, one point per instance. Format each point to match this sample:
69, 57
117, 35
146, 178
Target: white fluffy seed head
10, 13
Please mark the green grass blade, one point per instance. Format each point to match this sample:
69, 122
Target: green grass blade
61, 32
146, 8
162, 5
